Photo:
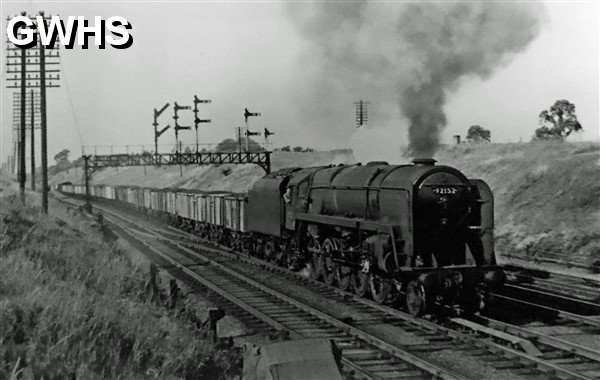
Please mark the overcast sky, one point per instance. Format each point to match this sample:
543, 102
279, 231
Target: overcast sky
248, 54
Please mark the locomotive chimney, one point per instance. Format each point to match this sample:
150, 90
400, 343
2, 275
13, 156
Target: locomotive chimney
424, 161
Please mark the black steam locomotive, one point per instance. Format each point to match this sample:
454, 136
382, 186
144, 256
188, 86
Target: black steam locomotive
421, 234
387, 230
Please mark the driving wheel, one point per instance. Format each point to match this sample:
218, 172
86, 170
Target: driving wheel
343, 276
360, 283
314, 249
328, 265
380, 288
415, 299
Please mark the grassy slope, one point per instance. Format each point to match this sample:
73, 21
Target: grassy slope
547, 194
74, 305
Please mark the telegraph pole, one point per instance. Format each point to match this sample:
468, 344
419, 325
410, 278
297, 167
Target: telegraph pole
22, 177
37, 80
32, 143
32, 108
44, 126
361, 112
196, 120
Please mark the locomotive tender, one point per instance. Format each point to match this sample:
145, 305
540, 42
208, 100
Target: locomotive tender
423, 232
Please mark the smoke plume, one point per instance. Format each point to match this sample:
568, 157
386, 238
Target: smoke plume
403, 57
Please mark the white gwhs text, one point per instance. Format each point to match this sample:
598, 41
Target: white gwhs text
49, 31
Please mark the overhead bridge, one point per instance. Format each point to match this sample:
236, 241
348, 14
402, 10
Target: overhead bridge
93, 163
97, 162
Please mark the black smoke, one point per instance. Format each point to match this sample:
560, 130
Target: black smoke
412, 55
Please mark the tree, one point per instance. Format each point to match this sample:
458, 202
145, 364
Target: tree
478, 134
187, 150
62, 157
227, 145
78, 162
558, 122
231, 145
297, 149
286, 148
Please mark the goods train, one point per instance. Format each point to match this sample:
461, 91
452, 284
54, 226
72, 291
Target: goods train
419, 234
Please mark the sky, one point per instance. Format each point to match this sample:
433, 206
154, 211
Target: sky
252, 55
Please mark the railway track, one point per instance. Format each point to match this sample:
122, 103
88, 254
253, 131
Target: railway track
565, 306
565, 293
552, 258
553, 349
585, 288
504, 346
363, 354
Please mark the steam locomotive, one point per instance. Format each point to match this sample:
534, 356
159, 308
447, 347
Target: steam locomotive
419, 234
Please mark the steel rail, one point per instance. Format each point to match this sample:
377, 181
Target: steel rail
544, 339
582, 288
546, 298
526, 359
421, 364
235, 300
585, 320
550, 367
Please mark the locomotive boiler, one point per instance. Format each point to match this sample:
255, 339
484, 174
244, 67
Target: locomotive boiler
422, 231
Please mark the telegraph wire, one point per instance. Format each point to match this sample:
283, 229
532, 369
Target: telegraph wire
71, 103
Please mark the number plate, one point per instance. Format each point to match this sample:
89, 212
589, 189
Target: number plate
445, 190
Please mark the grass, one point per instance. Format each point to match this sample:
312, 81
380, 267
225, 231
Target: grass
75, 306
